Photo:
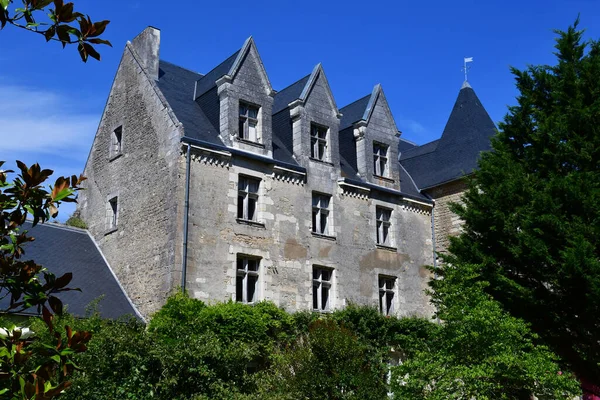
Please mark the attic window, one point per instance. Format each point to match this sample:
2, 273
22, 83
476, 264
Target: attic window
116, 142
318, 142
380, 159
248, 125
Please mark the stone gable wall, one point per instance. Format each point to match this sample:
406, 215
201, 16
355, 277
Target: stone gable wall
146, 178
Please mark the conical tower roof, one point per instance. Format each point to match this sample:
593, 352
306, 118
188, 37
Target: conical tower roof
467, 133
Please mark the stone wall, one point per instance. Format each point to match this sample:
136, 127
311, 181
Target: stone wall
446, 222
145, 178
287, 248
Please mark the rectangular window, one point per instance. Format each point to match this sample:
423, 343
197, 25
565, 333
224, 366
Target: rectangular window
116, 142
318, 142
247, 198
112, 213
320, 213
383, 216
247, 280
322, 288
380, 159
386, 294
248, 125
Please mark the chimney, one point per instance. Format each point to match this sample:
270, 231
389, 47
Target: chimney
147, 45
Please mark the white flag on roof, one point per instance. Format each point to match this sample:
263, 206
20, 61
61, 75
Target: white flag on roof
468, 59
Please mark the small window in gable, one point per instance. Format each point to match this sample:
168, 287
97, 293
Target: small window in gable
248, 124
384, 223
116, 142
318, 142
112, 214
322, 288
387, 293
380, 159
247, 198
247, 279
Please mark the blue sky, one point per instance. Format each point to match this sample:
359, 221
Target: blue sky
52, 102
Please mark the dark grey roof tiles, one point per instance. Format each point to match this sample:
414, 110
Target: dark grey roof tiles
405, 145
177, 85
467, 133
289, 94
209, 80
63, 249
354, 112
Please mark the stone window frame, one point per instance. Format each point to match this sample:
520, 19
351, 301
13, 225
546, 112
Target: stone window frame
387, 287
112, 213
317, 212
246, 119
247, 196
116, 143
381, 223
249, 273
381, 161
316, 141
320, 285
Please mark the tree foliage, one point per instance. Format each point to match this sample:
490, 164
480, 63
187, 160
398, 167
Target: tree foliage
27, 373
532, 212
63, 24
479, 351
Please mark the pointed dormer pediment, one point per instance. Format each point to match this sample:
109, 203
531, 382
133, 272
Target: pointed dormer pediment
375, 136
248, 65
379, 107
317, 87
244, 95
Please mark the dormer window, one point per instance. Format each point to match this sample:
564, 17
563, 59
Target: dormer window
318, 142
380, 159
248, 125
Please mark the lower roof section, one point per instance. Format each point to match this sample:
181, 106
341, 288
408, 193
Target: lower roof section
62, 249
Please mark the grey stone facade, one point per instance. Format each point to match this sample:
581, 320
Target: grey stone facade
314, 200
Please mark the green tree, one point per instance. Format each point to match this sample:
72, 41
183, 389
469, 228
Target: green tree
62, 24
532, 213
478, 351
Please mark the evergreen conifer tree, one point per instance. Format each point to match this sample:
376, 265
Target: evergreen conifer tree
532, 212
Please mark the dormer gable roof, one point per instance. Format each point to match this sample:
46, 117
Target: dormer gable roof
301, 89
230, 67
362, 109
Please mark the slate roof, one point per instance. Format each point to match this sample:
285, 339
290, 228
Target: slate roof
467, 133
64, 249
193, 98
289, 94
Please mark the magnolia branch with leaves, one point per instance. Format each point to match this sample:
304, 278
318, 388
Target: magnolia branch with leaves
27, 371
63, 24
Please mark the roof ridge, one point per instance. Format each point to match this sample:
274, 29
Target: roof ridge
223, 62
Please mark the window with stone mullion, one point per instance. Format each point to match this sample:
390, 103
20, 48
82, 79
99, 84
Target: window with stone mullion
318, 142
383, 226
247, 280
386, 295
380, 159
248, 122
320, 214
247, 198
321, 289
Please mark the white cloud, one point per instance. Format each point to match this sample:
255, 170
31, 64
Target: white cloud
36, 122
411, 126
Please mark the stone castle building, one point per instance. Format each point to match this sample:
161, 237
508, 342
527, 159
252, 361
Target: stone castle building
235, 191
